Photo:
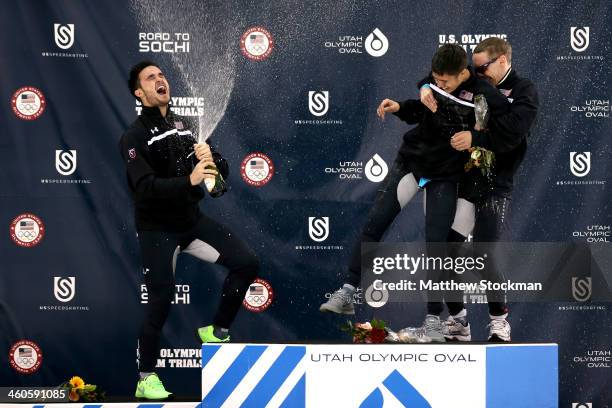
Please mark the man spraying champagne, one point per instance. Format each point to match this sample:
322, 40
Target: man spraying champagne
158, 149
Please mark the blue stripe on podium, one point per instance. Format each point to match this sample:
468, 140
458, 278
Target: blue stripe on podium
208, 352
404, 391
297, 396
522, 376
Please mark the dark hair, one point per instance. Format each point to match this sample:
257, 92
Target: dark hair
494, 47
449, 59
133, 82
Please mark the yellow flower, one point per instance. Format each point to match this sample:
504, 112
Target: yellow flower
77, 382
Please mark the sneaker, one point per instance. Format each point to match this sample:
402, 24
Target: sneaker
340, 302
430, 332
206, 335
457, 329
151, 388
499, 330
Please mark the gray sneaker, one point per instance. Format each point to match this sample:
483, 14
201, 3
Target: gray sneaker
339, 302
430, 332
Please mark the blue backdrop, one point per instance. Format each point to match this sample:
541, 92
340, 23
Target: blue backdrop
262, 106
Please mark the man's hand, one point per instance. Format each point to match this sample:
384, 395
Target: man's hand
462, 140
202, 151
387, 105
200, 172
428, 99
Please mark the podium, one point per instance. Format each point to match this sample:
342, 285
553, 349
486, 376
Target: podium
370, 376
382, 375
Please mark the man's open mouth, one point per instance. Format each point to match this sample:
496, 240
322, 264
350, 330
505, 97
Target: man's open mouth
161, 90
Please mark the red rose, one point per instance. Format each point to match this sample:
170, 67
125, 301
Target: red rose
377, 335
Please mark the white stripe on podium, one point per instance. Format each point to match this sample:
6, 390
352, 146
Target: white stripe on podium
288, 385
255, 374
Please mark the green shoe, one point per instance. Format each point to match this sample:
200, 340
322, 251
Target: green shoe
205, 334
151, 388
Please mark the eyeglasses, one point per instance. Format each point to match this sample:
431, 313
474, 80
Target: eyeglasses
483, 68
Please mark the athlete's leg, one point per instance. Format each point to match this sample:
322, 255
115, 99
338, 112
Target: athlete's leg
215, 243
156, 249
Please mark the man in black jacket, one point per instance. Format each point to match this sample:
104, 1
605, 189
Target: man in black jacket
427, 156
508, 140
165, 169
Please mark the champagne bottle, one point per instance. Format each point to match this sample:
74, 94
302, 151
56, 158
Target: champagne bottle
215, 187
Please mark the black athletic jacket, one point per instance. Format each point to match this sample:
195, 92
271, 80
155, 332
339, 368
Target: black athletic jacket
509, 131
426, 149
158, 153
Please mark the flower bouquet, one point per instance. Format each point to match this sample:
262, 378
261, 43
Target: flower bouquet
79, 391
373, 332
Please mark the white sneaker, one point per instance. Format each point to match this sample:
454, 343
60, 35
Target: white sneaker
499, 330
457, 329
340, 302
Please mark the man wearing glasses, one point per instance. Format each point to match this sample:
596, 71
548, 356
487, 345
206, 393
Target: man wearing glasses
492, 59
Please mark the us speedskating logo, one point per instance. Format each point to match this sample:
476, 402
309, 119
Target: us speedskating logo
256, 43
259, 296
28, 103
65, 161
580, 163
27, 230
318, 228
257, 169
64, 35
579, 38
25, 357
318, 102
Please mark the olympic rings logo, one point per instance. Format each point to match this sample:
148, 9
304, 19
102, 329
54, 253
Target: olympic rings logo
27, 234
257, 299
26, 361
28, 107
257, 174
258, 48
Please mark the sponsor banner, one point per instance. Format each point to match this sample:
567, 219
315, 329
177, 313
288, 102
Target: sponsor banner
279, 375
172, 43
468, 41
375, 44
578, 44
374, 170
182, 294
580, 166
64, 35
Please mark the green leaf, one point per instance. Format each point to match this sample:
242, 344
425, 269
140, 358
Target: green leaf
347, 327
378, 324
